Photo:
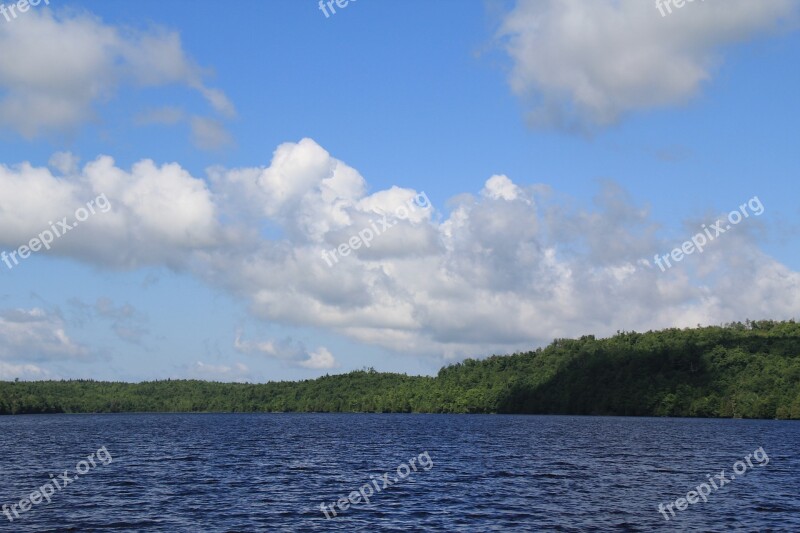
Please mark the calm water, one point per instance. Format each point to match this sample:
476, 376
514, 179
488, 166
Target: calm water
271, 472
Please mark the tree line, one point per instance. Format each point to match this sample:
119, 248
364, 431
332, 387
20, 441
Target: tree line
747, 370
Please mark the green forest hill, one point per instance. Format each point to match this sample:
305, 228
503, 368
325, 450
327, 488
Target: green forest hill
749, 370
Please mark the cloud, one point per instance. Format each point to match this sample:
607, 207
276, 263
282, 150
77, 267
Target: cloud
217, 99
319, 360
509, 268
581, 65
65, 65
168, 115
127, 323
304, 190
237, 372
500, 187
157, 213
267, 348
287, 350
64, 162
209, 134
36, 335
9, 371
505, 268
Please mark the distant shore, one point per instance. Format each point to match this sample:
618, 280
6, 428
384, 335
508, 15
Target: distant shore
740, 370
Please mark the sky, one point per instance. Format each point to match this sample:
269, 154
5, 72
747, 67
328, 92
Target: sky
260, 191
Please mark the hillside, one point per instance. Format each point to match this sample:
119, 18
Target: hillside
749, 370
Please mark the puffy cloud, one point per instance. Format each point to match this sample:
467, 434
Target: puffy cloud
580, 65
506, 268
320, 360
9, 371
267, 348
304, 190
288, 350
500, 187
36, 335
64, 65
150, 215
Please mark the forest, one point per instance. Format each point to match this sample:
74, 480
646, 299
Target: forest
738, 370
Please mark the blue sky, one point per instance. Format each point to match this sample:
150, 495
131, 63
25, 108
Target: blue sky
561, 145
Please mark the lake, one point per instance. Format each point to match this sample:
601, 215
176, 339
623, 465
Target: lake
272, 472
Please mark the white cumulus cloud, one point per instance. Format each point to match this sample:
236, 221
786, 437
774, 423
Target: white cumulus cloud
580, 65
504, 268
67, 63
36, 335
288, 350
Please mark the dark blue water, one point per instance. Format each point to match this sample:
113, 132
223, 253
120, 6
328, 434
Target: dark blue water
271, 472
